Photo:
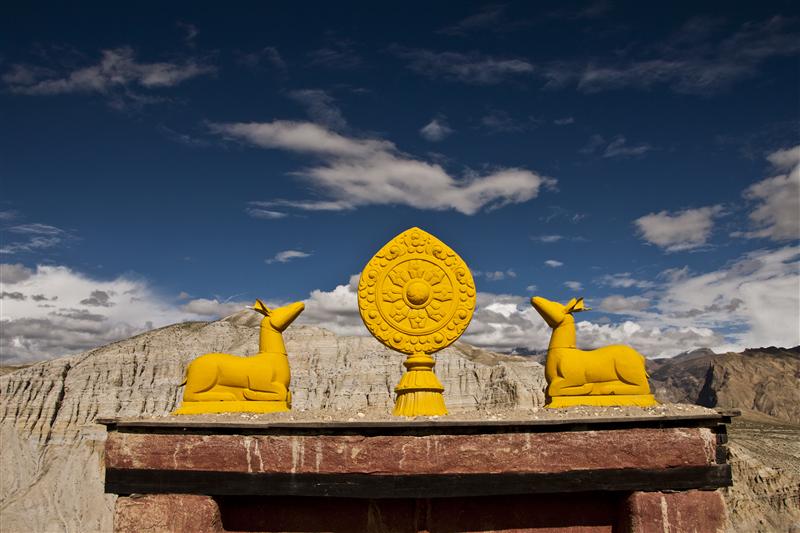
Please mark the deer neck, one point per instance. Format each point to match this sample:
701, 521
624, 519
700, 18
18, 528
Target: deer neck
270, 340
563, 335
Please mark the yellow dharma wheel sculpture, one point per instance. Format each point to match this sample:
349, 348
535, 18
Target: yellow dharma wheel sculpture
417, 296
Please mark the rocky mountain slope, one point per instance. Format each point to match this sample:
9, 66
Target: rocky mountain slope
51, 475
52, 450
763, 380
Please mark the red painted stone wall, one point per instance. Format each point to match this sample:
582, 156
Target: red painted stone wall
407, 455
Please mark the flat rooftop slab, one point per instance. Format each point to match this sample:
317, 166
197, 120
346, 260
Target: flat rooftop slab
571, 419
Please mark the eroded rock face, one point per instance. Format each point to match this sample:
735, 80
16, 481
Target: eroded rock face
52, 478
765, 460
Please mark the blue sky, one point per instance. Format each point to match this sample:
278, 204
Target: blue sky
183, 160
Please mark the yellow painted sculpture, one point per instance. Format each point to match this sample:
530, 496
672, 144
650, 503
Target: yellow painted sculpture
417, 296
612, 375
224, 383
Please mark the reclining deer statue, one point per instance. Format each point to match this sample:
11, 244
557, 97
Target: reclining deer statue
220, 382
612, 375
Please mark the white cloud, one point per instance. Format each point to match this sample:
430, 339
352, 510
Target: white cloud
497, 275
117, 68
491, 17
267, 55
564, 121
624, 280
690, 61
287, 255
499, 121
473, 68
257, 211
356, 172
552, 263
617, 147
65, 311
336, 310
213, 308
546, 239
683, 230
320, 107
758, 296
754, 301
337, 54
436, 130
616, 303
574, 285
11, 273
35, 237
777, 212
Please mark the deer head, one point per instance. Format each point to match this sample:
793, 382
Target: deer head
280, 318
554, 313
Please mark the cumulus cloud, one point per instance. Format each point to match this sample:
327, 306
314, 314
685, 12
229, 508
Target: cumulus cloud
117, 67
213, 308
754, 301
617, 303
12, 295
33, 331
574, 285
552, 263
566, 121
436, 130
335, 310
683, 230
11, 273
472, 68
776, 215
356, 172
99, 299
766, 284
287, 255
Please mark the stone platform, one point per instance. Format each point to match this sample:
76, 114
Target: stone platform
631, 474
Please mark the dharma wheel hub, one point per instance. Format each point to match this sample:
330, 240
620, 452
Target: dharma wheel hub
417, 296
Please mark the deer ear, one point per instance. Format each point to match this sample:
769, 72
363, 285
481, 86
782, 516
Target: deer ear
579, 306
261, 308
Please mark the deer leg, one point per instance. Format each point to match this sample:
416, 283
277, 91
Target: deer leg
276, 392
210, 396
575, 390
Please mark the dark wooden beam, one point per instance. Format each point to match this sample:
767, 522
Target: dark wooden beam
131, 481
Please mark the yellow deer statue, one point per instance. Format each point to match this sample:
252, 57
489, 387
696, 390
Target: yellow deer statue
612, 375
224, 383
